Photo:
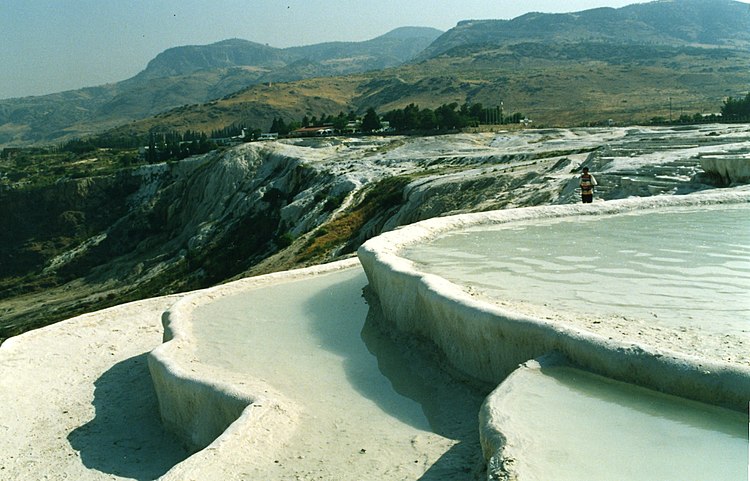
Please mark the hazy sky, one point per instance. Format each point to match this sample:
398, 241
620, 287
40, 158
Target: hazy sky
54, 45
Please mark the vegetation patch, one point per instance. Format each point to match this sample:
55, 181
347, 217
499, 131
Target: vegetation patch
380, 199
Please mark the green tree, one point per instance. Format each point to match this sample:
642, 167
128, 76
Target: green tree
339, 123
736, 109
371, 121
280, 127
427, 120
475, 113
448, 118
411, 116
326, 119
151, 154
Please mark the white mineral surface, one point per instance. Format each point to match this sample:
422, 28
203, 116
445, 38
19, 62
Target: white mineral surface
79, 402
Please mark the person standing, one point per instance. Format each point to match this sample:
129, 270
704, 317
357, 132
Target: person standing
587, 184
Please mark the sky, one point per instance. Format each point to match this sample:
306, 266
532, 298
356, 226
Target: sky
49, 46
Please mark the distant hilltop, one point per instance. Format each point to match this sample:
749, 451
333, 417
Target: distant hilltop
339, 58
629, 64
665, 22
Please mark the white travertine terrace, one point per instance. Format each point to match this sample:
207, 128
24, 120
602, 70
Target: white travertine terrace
245, 428
220, 413
551, 421
730, 170
488, 342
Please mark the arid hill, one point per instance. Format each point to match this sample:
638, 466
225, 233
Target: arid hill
632, 64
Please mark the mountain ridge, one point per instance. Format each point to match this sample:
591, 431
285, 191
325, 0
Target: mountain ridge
400, 45
661, 22
194, 74
487, 61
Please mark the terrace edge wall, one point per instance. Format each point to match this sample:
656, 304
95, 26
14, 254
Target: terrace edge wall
487, 342
220, 421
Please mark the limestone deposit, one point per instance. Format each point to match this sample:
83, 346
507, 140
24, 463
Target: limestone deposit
224, 215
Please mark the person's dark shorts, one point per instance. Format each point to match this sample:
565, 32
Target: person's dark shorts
587, 198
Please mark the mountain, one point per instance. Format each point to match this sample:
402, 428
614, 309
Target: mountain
391, 49
225, 54
660, 60
722, 23
196, 74
663, 59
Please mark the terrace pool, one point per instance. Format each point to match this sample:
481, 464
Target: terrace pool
674, 267
371, 409
570, 425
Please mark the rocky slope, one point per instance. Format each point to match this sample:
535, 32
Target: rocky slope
264, 207
195, 74
632, 64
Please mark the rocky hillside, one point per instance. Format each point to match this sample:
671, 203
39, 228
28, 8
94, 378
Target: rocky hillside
632, 64
678, 23
196, 74
78, 245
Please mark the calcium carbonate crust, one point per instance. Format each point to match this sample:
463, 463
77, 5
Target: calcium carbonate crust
216, 413
489, 342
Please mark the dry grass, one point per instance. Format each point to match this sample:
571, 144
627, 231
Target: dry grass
343, 229
550, 91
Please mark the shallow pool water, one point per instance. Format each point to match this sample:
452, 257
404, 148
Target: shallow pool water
371, 408
572, 425
677, 267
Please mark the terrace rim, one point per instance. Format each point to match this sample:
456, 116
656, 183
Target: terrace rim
488, 342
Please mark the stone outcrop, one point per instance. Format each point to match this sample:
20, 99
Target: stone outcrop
728, 169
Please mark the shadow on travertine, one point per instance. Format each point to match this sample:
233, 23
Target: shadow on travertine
126, 437
415, 371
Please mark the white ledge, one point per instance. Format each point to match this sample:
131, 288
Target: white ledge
488, 342
223, 414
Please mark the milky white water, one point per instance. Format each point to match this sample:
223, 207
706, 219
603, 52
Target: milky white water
674, 267
371, 409
569, 425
